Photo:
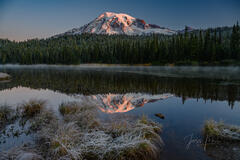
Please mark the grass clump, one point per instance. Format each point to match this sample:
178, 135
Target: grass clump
69, 108
219, 131
60, 141
32, 108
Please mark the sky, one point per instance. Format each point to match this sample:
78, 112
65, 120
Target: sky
26, 19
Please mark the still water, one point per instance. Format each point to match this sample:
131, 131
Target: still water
186, 96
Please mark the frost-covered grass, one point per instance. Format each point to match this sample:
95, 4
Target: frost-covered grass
221, 132
80, 134
115, 141
84, 116
35, 114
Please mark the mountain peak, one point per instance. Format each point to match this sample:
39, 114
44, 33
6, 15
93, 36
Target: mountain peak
119, 23
113, 14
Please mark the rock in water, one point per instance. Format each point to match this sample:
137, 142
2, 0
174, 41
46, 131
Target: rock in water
160, 115
4, 76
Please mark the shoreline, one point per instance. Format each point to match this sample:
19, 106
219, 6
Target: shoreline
116, 65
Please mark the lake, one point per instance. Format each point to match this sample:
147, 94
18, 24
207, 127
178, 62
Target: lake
186, 96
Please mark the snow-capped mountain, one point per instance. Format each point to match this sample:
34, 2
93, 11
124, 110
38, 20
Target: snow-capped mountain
114, 23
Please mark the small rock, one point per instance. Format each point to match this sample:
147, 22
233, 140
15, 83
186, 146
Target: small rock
4, 76
160, 115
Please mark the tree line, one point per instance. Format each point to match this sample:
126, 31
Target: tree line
210, 46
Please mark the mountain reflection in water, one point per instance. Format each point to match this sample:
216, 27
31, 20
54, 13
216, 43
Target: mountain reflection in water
115, 103
93, 82
108, 103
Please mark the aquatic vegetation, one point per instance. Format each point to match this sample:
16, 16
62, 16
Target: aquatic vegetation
219, 131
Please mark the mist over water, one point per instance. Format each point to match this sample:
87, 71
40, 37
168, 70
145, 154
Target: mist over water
224, 73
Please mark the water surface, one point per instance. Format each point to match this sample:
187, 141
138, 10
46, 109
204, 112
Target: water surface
186, 96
